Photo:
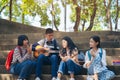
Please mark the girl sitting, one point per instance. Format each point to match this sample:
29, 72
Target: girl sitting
95, 61
69, 59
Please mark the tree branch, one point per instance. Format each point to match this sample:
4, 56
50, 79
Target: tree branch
3, 7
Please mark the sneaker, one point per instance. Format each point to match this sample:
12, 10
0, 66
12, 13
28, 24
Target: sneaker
72, 78
53, 78
37, 78
58, 79
21, 79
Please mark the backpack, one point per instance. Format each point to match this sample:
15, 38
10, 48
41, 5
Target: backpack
101, 52
9, 58
81, 56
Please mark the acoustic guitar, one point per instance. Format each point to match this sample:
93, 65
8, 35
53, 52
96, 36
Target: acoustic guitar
43, 50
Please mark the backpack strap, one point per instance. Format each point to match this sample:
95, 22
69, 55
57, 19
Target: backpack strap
43, 43
55, 44
89, 55
101, 52
20, 50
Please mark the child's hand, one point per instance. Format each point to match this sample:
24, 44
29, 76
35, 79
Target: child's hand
47, 49
65, 58
29, 49
88, 64
95, 76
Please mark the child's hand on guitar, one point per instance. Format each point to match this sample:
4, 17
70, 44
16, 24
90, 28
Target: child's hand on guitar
39, 48
47, 49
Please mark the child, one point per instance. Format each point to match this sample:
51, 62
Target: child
69, 59
95, 61
22, 64
48, 58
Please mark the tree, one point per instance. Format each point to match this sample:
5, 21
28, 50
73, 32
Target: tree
53, 15
86, 15
64, 4
92, 16
3, 7
108, 15
78, 10
10, 10
117, 14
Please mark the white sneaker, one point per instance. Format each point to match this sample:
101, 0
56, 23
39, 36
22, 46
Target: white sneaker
58, 79
21, 79
72, 78
53, 78
37, 78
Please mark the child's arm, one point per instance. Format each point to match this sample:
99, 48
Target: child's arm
87, 61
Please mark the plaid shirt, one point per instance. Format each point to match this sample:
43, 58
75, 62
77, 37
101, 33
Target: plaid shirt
20, 56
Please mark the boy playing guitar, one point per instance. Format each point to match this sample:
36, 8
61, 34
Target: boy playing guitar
44, 47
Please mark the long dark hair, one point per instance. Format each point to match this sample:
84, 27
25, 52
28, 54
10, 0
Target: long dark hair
21, 38
96, 39
70, 44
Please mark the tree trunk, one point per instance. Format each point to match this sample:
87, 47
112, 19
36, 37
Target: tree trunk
65, 14
92, 17
78, 11
10, 10
23, 18
55, 24
54, 20
108, 16
83, 25
117, 14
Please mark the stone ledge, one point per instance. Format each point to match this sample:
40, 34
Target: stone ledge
47, 77
47, 70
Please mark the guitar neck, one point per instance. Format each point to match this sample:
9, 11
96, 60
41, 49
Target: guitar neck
53, 51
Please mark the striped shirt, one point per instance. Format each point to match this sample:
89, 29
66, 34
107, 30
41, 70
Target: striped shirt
20, 56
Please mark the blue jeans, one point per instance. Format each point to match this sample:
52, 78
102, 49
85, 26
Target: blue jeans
49, 60
23, 69
69, 67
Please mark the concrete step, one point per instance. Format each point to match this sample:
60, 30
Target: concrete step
109, 52
48, 77
84, 39
10, 27
15, 36
106, 44
109, 60
47, 69
102, 34
60, 35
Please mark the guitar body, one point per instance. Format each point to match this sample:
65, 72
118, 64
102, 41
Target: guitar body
43, 51
36, 53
